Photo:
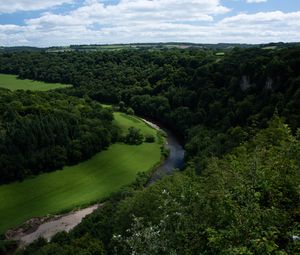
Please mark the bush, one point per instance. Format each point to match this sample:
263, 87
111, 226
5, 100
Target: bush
7, 246
130, 111
149, 139
134, 136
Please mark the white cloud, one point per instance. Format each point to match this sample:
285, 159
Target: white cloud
256, 1
276, 20
152, 21
128, 20
7, 6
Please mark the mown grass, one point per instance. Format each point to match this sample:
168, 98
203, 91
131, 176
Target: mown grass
92, 180
12, 82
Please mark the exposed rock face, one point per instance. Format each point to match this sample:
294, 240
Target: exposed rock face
269, 83
245, 83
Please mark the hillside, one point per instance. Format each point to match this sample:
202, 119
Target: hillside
148, 46
238, 114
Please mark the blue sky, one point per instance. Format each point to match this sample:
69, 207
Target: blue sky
271, 5
64, 22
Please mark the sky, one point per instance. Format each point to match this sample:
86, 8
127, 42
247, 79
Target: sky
65, 22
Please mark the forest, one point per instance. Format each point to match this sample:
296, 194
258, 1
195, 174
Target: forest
244, 203
194, 91
42, 132
238, 114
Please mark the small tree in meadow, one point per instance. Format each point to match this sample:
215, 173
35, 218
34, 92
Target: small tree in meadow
134, 136
149, 139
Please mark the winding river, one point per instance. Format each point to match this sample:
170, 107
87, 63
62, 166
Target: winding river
175, 160
68, 221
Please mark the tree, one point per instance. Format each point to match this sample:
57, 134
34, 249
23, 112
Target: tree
122, 106
149, 139
134, 136
130, 111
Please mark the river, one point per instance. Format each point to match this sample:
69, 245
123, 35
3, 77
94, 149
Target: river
175, 159
68, 221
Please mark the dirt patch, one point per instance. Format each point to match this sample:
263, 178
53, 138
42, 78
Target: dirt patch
47, 227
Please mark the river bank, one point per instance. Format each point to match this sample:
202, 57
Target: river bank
48, 227
175, 160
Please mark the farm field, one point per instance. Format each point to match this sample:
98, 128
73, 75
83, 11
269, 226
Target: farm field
12, 82
78, 185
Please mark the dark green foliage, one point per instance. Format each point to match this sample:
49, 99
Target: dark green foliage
36, 245
130, 111
7, 246
85, 245
182, 88
134, 136
235, 197
123, 108
149, 139
42, 132
244, 203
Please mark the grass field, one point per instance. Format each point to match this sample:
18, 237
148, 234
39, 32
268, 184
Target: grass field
12, 82
86, 182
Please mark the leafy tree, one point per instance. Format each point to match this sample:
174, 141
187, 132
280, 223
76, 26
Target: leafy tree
134, 136
130, 111
149, 139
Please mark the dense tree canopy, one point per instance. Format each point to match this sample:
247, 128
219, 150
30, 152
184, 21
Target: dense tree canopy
239, 193
40, 132
245, 203
182, 88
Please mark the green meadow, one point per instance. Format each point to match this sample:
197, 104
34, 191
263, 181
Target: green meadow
12, 82
87, 182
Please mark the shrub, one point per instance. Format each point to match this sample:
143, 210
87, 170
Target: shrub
134, 136
149, 139
130, 111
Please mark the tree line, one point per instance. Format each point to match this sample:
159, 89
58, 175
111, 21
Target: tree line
194, 91
239, 193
